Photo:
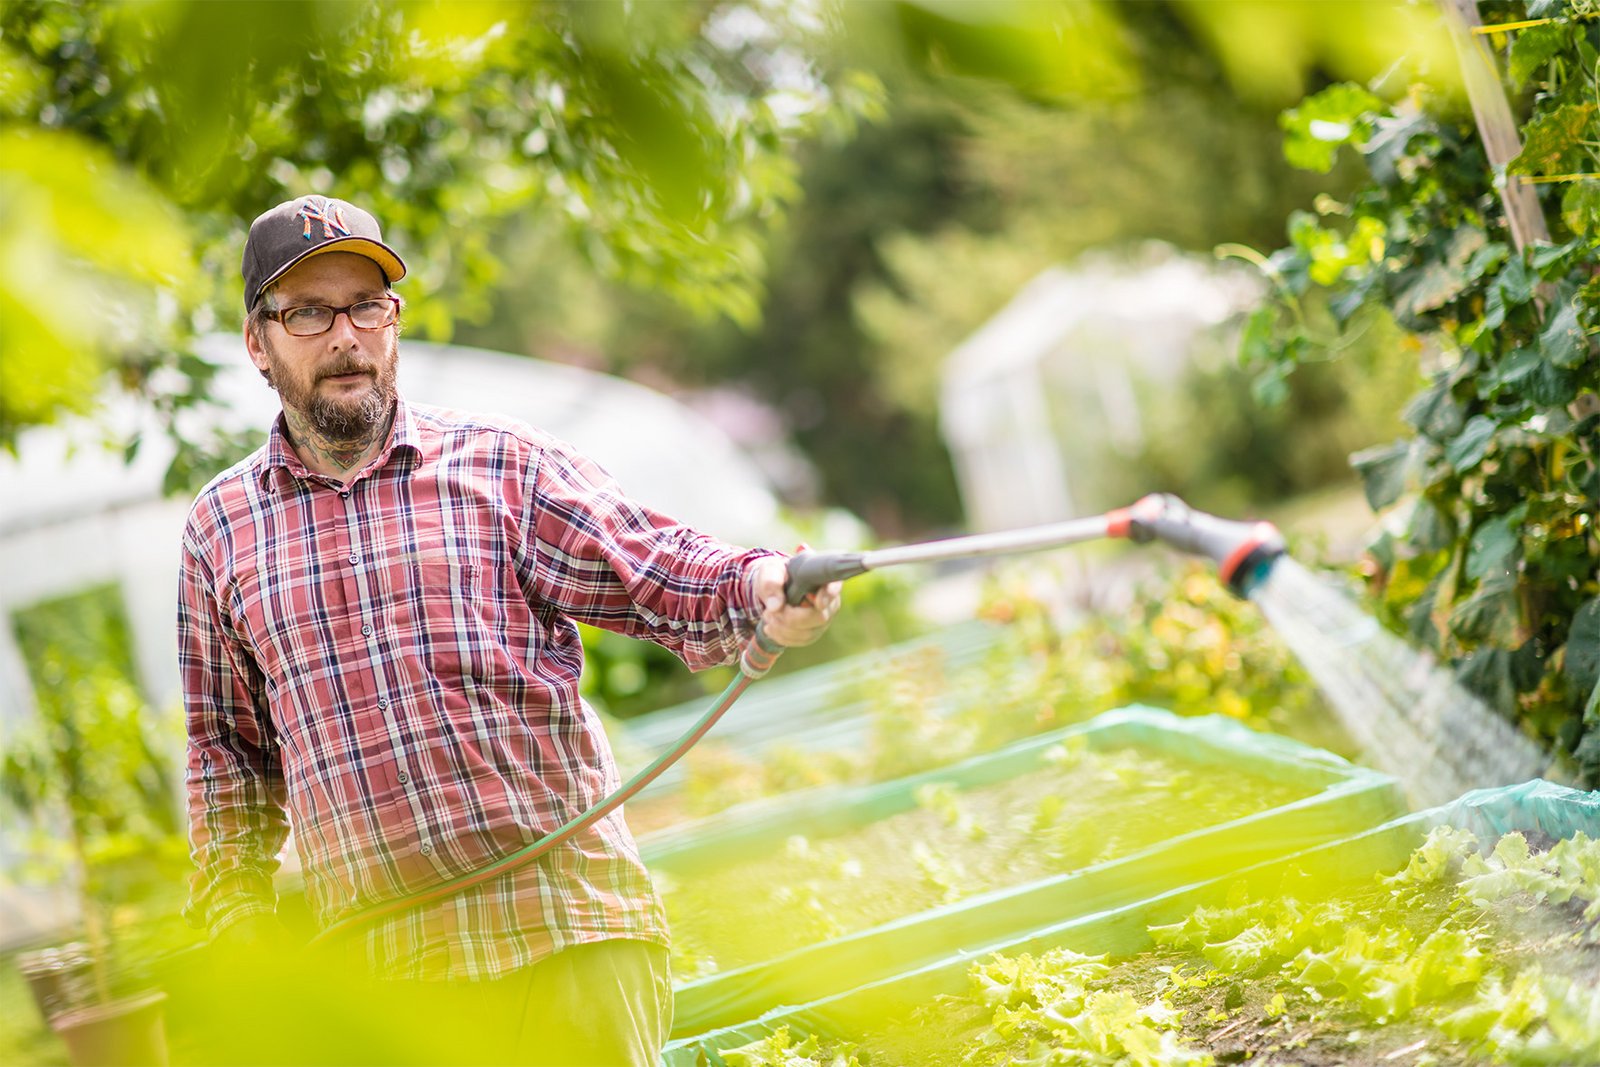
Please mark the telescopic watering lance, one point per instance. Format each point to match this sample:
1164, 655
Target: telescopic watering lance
1243, 551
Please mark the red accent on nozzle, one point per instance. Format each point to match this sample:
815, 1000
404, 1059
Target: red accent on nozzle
1261, 533
1122, 522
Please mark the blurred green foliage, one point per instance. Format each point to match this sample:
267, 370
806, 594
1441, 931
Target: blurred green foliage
519, 150
910, 234
92, 777
137, 150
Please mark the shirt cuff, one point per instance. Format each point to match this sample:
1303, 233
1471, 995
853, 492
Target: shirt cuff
235, 897
745, 610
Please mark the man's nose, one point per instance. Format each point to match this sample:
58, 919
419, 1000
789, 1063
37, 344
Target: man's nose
343, 332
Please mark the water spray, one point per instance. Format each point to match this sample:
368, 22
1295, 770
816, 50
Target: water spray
1244, 552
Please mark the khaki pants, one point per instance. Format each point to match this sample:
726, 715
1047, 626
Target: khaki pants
606, 1004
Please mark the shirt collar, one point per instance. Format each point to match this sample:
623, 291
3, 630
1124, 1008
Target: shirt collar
403, 445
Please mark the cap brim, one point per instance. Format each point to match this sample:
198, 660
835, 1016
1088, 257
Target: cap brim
392, 266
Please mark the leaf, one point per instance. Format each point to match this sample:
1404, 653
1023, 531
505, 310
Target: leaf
1437, 858
1391, 140
1436, 413
1383, 472
1243, 952
1485, 258
1553, 142
1582, 667
1471, 444
1521, 363
1511, 870
1431, 528
1314, 132
1255, 340
1495, 545
1488, 673
1535, 46
1563, 342
1516, 282
1580, 207
1492, 616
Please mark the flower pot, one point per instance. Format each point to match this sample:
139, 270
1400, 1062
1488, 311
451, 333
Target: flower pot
129, 1032
56, 976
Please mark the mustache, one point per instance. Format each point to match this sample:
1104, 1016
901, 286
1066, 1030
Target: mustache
347, 367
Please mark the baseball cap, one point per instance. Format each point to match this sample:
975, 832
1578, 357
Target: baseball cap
308, 226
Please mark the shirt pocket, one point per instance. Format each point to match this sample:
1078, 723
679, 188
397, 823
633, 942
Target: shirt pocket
444, 576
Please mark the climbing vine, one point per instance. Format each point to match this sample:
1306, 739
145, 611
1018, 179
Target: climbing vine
1489, 552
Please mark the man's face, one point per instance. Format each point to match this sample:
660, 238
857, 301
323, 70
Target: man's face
341, 381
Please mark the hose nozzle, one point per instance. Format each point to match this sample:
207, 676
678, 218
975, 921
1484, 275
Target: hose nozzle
1243, 551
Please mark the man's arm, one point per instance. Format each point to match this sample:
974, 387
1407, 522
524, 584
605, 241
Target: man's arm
605, 560
234, 780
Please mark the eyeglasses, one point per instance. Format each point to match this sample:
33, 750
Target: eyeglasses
308, 320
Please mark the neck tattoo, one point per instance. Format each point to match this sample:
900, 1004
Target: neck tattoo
328, 455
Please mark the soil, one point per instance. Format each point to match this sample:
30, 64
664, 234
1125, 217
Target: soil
1090, 808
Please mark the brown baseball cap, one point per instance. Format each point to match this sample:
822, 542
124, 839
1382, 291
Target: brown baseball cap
308, 226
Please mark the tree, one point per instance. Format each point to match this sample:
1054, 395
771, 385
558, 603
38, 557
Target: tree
134, 153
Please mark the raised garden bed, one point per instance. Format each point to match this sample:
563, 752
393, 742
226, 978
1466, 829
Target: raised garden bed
788, 900
1083, 807
1480, 946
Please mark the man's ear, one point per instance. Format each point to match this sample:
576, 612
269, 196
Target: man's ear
257, 355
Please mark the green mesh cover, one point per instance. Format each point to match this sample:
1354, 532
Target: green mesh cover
1348, 798
1532, 806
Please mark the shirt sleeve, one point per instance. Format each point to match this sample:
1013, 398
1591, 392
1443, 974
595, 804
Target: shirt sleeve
608, 561
234, 780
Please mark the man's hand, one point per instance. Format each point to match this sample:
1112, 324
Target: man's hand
792, 625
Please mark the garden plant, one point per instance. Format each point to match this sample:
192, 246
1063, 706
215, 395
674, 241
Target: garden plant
1489, 552
1083, 808
1465, 955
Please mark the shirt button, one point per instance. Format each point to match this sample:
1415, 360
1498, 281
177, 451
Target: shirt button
354, 558
344, 494
427, 849
383, 702
404, 778
366, 631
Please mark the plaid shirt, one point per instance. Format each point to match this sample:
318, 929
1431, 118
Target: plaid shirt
391, 667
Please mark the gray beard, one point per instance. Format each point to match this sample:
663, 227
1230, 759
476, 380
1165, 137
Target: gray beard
347, 422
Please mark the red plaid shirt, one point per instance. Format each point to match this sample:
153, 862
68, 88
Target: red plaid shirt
391, 667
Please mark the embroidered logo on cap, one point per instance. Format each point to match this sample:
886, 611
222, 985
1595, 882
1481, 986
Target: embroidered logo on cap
320, 209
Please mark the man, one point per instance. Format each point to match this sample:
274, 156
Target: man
378, 647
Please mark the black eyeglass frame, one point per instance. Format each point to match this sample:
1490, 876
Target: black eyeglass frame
392, 301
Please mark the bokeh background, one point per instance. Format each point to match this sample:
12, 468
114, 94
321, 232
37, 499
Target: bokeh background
847, 273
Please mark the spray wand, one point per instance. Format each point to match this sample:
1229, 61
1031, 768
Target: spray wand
1243, 551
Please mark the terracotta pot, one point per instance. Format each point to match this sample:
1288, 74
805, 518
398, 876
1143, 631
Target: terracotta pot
130, 1032
57, 977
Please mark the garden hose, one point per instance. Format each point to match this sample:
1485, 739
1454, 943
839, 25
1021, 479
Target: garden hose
759, 654
1243, 551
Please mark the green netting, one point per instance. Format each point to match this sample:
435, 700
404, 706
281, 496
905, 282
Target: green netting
1121, 931
823, 698
1347, 798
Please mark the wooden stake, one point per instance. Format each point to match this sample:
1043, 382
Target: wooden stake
1496, 125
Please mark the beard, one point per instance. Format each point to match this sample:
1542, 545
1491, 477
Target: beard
350, 415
